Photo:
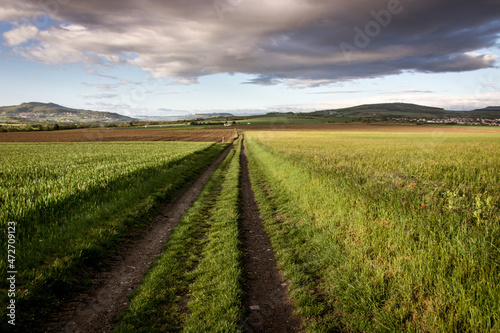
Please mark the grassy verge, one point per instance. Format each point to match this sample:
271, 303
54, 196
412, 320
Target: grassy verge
195, 284
63, 251
381, 237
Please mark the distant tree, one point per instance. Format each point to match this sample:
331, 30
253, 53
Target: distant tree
55, 127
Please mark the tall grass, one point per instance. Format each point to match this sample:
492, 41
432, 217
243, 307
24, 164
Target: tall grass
384, 232
73, 202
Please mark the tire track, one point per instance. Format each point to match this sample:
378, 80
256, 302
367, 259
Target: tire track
270, 308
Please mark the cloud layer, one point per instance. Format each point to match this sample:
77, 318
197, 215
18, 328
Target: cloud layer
295, 42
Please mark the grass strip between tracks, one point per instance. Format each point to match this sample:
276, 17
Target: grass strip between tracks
196, 283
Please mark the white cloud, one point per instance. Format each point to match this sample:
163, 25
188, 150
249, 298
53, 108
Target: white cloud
338, 92
408, 91
99, 96
8, 14
20, 35
73, 27
17, 10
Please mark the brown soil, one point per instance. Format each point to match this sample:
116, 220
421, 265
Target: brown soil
97, 135
220, 134
94, 310
269, 308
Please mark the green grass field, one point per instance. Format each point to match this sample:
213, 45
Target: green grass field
384, 232
73, 201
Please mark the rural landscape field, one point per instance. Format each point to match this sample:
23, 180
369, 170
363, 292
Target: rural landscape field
371, 228
247, 166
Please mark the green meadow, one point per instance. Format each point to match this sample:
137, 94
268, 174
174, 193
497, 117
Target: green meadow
384, 232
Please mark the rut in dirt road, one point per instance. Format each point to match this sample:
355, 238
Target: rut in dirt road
95, 310
267, 302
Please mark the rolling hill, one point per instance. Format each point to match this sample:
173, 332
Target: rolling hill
399, 112
35, 112
384, 110
405, 110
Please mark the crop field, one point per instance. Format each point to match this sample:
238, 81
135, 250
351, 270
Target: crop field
373, 228
73, 201
116, 134
382, 232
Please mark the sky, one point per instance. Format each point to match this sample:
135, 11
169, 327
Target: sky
179, 57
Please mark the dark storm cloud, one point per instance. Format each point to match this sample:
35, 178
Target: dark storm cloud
308, 42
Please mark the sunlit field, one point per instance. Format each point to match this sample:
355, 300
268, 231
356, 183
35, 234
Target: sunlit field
72, 201
384, 231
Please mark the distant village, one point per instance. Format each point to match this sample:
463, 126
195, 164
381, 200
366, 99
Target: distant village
451, 121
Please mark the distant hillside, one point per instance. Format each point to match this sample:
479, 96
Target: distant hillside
489, 108
186, 118
159, 118
49, 112
404, 110
383, 110
387, 112
207, 116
